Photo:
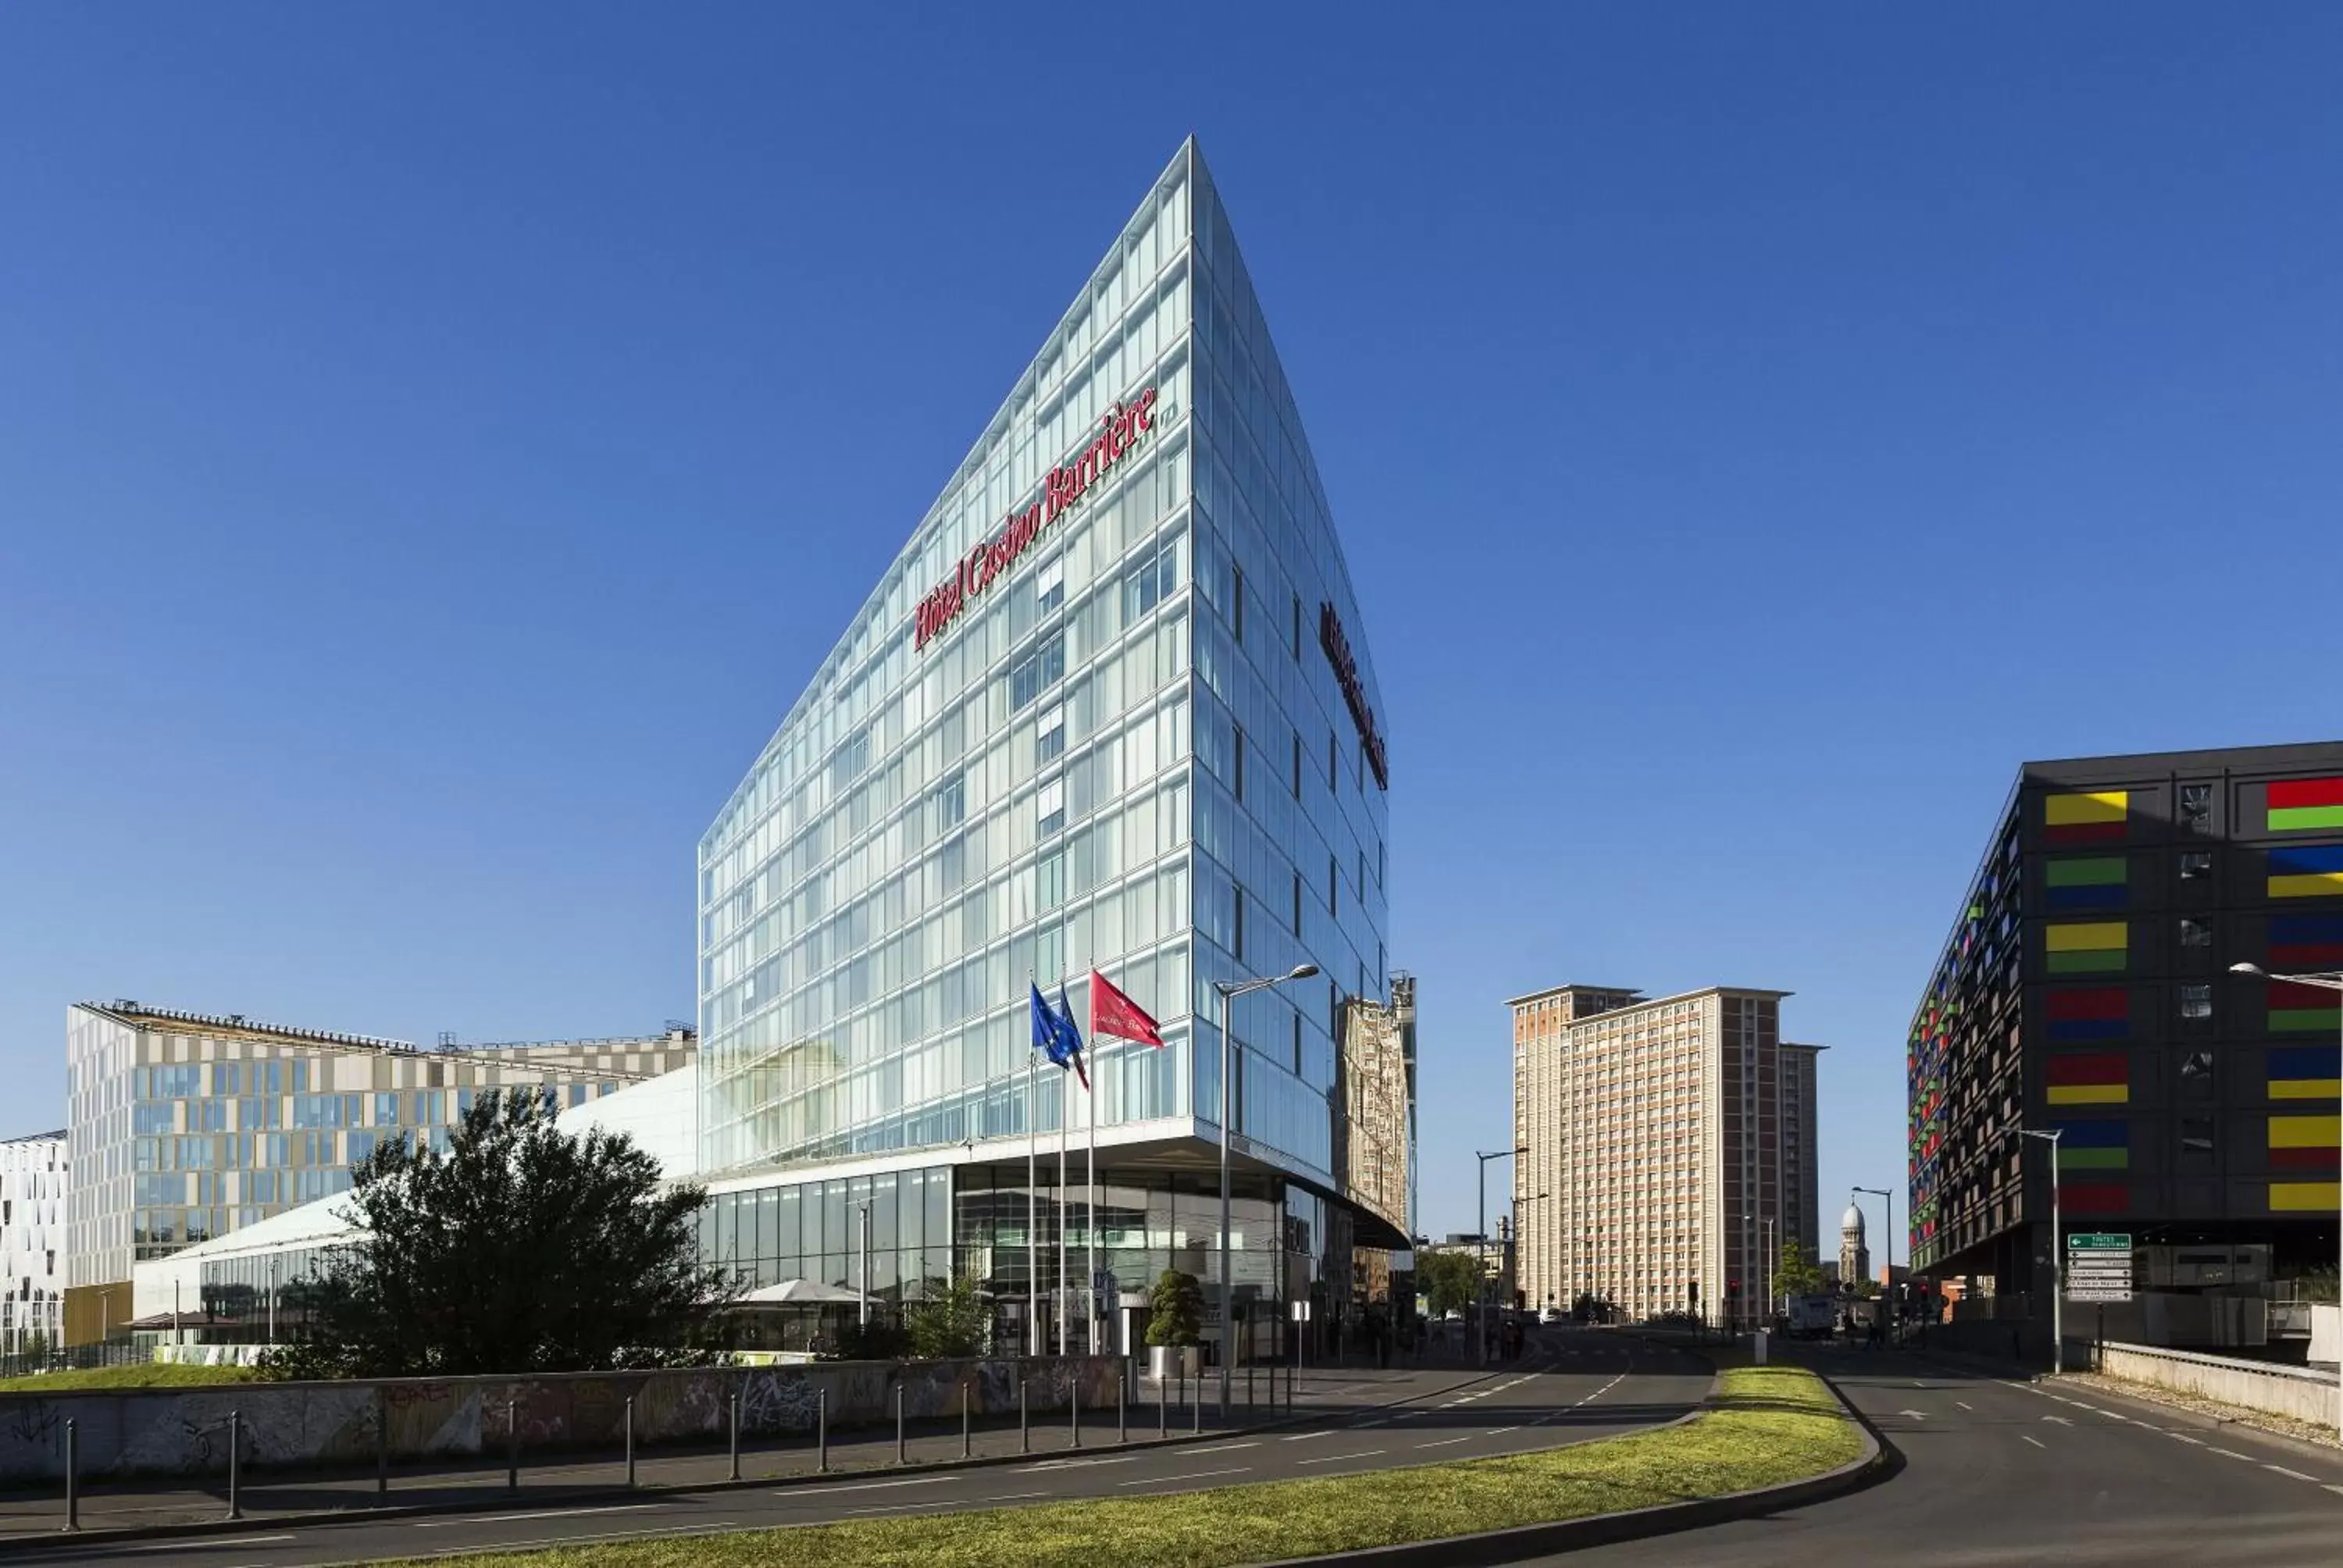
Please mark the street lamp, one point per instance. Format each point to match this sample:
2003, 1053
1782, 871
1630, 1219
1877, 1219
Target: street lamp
1765, 1257
1887, 1295
2057, 1259
2325, 979
1228, 990
1518, 1202
1480, 1292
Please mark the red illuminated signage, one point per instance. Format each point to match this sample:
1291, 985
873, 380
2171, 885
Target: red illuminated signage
1124, 427
1346, 675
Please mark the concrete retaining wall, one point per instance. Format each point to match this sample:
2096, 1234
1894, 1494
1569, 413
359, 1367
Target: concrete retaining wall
2304, 1395
184, 1432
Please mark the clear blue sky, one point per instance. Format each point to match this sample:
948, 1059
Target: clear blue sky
437, 443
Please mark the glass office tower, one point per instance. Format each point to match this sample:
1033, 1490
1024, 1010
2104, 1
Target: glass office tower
1111, 706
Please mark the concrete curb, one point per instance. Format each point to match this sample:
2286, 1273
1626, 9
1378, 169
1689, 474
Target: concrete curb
2143, 1397
555, 1492
1880, 1461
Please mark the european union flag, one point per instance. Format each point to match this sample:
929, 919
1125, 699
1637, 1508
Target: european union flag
1055, 1036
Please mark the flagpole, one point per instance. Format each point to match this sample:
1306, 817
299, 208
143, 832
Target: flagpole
1032, 1205
1065, 1103
1090, 1175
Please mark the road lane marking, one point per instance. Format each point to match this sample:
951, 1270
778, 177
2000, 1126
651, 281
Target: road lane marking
1187, 1475
2332, 1487
1331, 1458
536, 1514
2225, 1454
1446, 1441
1222, 1448
2291, 1474
2035, 1442
1077, 1463
872, 1485
1966, 1405
238, 1541
1306, 1436
2061, 1419
532, 1542
1500, 1431
2184, 1437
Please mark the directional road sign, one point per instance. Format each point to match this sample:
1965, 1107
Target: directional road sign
2098, 1266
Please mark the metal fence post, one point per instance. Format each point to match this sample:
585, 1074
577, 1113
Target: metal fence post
821, 1431
234, 1452
1024, 1415
512, 1444
965, 1450
1162, 1410
1075, 1400
1249, 1400
736, 1433
73, 1476
900, 1457
1123, 1400
1196, 1410
381, 1443
630, 1440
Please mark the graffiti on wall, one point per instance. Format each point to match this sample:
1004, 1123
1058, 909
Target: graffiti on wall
186, 1432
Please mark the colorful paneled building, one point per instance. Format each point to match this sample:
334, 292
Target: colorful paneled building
2087, 988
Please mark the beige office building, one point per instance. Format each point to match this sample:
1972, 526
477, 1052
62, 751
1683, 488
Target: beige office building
1667, 1148
188, 1126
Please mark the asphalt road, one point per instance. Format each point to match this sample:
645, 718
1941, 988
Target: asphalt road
2002, 1472
1572, 1386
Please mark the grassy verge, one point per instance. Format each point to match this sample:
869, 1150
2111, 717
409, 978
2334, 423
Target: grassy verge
145, 1375
1771, 1424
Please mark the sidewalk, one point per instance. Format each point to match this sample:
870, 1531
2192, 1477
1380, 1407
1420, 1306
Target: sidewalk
38, 1515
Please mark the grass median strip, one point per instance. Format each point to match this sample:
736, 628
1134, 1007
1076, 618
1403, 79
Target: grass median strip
135, 1375
1768, 1425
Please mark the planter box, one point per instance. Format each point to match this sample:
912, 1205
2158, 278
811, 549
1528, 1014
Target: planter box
1162, 1362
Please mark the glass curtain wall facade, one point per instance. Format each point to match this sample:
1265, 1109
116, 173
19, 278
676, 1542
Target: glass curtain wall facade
1111, 706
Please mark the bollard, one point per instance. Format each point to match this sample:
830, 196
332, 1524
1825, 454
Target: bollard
381, 1444
1121, 1392
72, 1479
1248, 1393
964, 1449
630, 1440
821, 1432
235, 1446
900, 1457
1183, 1381
512, 1444
1162, 1410
1074, 1403
736, 1434
1024, 1417
1196, 1410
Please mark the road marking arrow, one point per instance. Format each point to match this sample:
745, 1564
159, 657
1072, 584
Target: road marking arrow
1914, 1414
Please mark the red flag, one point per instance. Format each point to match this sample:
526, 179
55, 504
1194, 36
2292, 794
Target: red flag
1111, 1013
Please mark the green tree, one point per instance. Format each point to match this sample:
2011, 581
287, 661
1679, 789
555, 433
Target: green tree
951, 1321
1449, 1281
1175, 1310
1798, 1274
521, 1249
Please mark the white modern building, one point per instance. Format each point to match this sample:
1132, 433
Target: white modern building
32, 1181
226, 1287
185, 1127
